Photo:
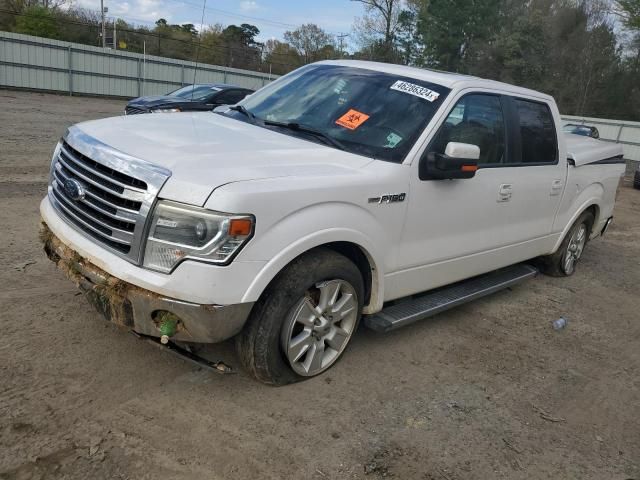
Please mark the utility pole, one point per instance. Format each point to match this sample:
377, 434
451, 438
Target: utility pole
341, 38
115, 45
104, 30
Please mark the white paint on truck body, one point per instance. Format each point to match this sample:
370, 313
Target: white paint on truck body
304, 194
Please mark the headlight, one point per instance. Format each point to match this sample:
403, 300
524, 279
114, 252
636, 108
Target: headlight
166, 110
179, 232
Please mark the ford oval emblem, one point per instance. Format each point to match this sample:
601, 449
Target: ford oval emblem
74, 189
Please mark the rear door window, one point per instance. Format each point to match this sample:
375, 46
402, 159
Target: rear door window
537, 132
230, 97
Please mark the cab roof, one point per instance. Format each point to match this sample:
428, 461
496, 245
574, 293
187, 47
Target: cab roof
455, 81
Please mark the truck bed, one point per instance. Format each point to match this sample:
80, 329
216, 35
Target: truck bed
586, 151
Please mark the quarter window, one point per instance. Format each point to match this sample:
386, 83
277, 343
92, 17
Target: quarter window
537, 132
476, 119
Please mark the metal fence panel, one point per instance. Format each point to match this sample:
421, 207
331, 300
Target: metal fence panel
44, 64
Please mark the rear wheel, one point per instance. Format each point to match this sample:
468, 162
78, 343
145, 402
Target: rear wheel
636, 180
304, 320
563, 262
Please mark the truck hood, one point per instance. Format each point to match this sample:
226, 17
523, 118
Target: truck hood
586, 150
204, 150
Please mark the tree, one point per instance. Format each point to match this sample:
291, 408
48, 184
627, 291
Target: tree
172, 40
629, 10
244, 34
242, 49
407, 49
309, 40
281, 56
212, 45
449, 29
381, 19
38, 21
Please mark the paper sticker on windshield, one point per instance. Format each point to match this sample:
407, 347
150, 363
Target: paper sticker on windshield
415, 90
352, 119
393, 140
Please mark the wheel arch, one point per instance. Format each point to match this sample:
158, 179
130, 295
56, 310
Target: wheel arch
360, 255
592, 206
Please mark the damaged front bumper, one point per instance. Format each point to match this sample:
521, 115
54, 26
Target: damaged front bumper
142, 310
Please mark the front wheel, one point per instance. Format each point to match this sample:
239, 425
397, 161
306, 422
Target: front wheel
563, 262
304, 320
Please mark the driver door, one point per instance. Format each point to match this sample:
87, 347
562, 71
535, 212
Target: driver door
460, 228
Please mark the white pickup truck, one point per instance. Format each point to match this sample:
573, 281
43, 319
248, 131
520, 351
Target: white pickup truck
343, 190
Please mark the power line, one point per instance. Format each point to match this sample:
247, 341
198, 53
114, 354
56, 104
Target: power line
272, 23
238, 15
149, 33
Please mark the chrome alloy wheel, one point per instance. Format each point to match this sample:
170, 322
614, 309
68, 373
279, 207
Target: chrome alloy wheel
574, 249
320, 326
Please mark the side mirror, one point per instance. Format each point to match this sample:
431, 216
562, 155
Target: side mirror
460, 160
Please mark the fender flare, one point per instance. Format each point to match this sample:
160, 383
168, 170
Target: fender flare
314, 240
592, 199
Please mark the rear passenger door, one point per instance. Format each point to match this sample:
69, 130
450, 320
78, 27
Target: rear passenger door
539, 172
503, 215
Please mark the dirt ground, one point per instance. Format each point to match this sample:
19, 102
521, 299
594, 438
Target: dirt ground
486, 391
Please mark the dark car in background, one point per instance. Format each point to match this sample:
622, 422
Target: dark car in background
584, 130
191, 98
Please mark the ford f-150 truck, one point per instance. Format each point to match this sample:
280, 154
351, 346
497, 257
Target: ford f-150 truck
343, 190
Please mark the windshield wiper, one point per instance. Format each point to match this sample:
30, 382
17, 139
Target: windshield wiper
312, 131
241, 109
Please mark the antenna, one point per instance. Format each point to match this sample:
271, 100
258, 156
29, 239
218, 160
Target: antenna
195, 69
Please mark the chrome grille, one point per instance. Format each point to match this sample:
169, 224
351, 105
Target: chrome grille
116, 192
134, 110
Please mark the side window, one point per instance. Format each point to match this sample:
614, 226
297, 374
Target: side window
537, 132
476, 119
230, 97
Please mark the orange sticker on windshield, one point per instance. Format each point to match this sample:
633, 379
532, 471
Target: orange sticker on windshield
352, 119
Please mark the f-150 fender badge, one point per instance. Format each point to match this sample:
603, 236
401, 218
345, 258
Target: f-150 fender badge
389, 198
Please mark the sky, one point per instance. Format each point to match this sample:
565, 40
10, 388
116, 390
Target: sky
272, 17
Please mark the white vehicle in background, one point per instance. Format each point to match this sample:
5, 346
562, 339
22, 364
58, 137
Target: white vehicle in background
343, 190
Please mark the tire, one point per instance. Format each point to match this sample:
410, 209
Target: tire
289, 320
559, 264
636, 180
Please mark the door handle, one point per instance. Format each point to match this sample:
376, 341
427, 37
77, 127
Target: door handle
556, 187
505, 192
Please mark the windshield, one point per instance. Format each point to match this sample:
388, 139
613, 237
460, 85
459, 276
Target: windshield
370, 113
200, 92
